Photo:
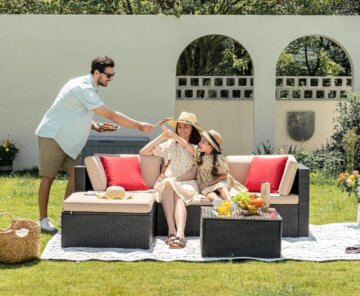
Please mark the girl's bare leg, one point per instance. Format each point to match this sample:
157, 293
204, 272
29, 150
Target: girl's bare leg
211, 196
224, 193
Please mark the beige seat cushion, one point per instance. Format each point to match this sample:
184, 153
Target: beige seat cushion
275, 199
240, 164
142, 202
278, 199
150, 168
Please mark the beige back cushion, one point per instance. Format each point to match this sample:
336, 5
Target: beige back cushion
240, 164
150, 168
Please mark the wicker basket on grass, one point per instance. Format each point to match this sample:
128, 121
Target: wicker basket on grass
20, 242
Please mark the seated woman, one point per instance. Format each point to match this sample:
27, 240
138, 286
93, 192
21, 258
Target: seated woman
176, 187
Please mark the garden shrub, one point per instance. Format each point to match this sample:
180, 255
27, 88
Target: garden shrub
329, 162
346, 135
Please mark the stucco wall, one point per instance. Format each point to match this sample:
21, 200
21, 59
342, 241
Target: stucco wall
324, 114
38, 54
232, 119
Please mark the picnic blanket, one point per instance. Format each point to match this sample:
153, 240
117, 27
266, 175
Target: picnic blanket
326, 242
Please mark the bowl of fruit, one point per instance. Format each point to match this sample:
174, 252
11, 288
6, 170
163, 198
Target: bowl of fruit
249, 203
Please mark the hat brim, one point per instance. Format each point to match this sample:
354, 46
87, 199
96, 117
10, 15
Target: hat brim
173, 123
212, 143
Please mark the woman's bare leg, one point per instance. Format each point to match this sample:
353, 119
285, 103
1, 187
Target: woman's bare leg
180, 216
169, 207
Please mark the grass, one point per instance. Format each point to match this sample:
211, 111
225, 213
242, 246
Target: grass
18, 196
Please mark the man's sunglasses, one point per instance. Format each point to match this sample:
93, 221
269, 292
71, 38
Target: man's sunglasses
109, 75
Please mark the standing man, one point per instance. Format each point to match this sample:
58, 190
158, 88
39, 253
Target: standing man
65, 127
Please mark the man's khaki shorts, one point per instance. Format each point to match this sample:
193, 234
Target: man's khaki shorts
52, 158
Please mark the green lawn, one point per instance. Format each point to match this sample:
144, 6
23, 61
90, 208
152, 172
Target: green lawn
18, 195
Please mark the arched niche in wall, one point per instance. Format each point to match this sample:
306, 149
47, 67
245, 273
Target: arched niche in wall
214, 67
312, 73
313, 67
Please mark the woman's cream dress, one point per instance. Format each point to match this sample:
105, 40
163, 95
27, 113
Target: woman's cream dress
181, 162
204, 175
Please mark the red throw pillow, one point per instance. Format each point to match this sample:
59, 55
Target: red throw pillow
123, 171
265, 170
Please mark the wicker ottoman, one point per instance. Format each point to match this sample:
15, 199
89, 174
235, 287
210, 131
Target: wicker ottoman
243, 236
91, 222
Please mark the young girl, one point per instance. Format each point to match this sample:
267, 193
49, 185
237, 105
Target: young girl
213, 170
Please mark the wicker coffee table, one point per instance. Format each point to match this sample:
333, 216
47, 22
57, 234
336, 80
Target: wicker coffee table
240, 236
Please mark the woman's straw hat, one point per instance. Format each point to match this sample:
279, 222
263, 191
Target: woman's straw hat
214, 138
188, 118
113, 192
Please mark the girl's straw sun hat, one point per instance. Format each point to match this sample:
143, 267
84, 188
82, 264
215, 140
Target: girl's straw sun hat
214, 138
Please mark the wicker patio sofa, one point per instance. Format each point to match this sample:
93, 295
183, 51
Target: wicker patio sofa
293, 207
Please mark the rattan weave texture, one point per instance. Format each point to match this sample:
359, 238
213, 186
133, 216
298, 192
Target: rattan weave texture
295, 217
240, 237
108, 230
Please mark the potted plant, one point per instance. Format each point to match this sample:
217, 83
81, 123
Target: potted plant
8, 152
350, 183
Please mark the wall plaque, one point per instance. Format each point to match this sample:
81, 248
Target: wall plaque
301, 125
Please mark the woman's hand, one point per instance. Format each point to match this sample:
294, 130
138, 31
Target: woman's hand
167, 133
161, 177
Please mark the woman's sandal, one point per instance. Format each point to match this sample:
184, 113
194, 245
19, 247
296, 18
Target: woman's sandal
353, 250
170, 238
177, 243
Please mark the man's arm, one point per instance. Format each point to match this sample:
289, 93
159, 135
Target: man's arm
123, 120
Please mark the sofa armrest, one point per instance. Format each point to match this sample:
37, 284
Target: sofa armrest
301, 187
82, 181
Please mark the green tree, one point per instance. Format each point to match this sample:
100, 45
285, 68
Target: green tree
177, 7
313, 56
347, 7
214, 55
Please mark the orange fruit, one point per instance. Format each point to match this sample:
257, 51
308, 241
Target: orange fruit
253, 195
258, 202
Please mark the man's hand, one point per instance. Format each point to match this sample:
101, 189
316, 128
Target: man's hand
103, 130
97, 128
146, 127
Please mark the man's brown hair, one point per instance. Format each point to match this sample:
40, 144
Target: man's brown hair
100, 63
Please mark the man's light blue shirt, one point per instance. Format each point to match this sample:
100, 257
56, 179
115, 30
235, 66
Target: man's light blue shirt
68, 121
